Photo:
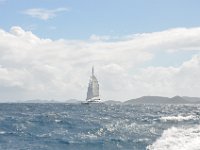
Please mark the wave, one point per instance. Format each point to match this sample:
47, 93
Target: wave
178, 118
178, 138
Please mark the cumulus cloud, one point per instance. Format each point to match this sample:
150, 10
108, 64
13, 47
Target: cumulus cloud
44, 14
36, 68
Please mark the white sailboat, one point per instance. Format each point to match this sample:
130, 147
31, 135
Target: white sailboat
93, 90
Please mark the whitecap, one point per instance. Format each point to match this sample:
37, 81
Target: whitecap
57, 121
178, 138
88, 135
2, 132
100, 132
121, 126
44, 135
178, 118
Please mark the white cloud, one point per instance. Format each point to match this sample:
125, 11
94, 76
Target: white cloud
169, 81
31, 67
44, 14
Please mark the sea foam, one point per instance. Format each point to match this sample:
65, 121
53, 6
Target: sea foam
178, 138
178, 118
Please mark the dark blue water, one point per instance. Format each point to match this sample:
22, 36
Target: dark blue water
99, 126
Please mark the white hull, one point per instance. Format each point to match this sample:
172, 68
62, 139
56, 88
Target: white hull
94, 100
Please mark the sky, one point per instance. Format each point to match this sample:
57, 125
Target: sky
138, 48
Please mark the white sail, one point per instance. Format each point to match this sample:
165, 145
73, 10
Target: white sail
93, 89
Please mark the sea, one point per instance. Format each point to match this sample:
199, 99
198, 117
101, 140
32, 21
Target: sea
60, 126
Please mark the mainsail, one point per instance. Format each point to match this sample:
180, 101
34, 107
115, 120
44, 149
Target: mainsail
93, 89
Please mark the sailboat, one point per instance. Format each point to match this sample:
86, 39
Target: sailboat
93, 90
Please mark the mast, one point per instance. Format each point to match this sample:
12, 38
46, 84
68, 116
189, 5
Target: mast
92, 70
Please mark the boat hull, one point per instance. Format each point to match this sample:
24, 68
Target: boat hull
92, 101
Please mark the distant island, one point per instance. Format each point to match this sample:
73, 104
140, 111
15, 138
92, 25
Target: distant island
141, 100
164, 100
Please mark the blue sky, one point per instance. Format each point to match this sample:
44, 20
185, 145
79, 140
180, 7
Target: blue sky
143, 47
101, 17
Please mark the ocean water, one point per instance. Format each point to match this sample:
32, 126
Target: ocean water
99, 126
